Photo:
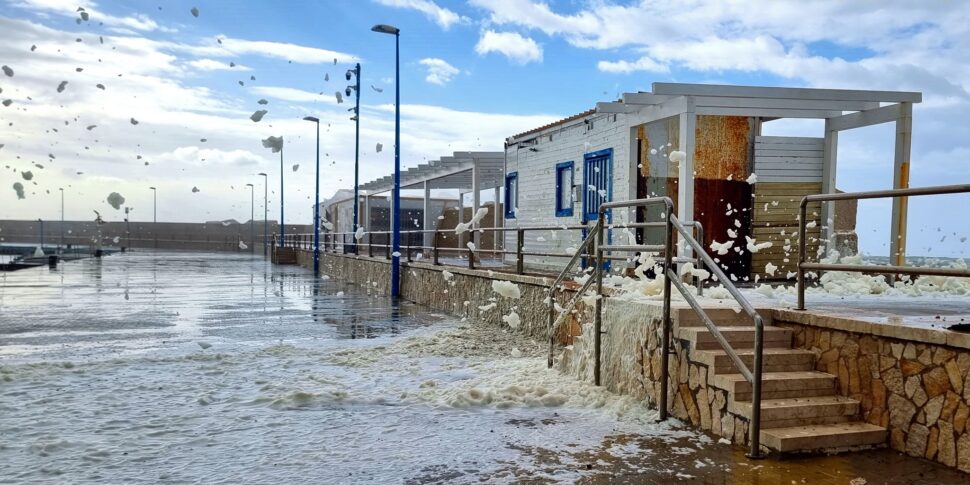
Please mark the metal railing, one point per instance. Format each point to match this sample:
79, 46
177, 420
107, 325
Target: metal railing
804, 265
671, 278
346, 243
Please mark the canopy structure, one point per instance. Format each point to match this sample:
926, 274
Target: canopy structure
467, 172
842, 109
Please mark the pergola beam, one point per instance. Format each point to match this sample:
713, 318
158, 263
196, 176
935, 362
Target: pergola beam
785, 93
871, 117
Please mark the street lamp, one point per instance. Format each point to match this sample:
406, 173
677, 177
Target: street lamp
316, 203
252, 215
356, 118
62, 219
265, 209
396, 193
155, 215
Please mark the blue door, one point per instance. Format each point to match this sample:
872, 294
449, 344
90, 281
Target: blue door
597, 182
597, 189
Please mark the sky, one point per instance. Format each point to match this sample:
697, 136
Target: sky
156, 95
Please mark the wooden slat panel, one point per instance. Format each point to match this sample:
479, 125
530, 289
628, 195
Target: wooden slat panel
787, 160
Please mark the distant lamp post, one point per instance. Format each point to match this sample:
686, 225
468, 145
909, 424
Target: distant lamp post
252, 215
316, 203
265, 209
355, 72
61, 244
396, 193
41, 221
155, 215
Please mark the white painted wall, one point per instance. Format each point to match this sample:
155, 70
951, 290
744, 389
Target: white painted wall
537, 180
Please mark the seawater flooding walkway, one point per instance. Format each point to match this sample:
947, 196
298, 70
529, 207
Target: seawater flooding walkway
184, 367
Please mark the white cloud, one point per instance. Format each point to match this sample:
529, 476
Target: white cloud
280, 50
214, 65
194, 154
442, 16
644, 63
68, 8
519, 49
439, 71
292, 94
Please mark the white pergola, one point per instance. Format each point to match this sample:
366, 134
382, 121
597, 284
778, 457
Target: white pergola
468, 172
842, 109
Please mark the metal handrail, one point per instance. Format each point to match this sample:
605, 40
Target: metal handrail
329, 242
862, 268
553, 320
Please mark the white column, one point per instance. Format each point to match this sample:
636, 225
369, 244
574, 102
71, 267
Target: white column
830, 163
476, 203
428, 222
461, 217
904, 141
685, 178
365, 222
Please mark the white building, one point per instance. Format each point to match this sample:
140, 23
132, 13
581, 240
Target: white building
559, 174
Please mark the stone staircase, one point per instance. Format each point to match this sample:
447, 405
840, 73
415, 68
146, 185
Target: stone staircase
800, 409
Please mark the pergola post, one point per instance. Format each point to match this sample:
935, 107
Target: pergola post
685, 178
366, 221
427, 225
904, 141
830, 159
476, 203
461, 217
497, 219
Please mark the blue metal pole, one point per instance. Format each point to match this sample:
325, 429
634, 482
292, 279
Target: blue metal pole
357, 163
316, 212
282, 227
396, 240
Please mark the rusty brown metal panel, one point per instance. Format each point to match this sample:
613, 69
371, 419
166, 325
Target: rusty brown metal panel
722, 147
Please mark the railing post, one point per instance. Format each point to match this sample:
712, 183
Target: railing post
370, 245
471, 254
665, 331
802, 211
552, 321
434, 249
754, 436
519, 244
387, 246
598, 321
700, 261
410, 242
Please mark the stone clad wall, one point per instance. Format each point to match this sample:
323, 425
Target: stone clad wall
919, 391
427, 284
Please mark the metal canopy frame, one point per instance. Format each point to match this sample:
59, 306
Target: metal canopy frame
842, 109
468, 172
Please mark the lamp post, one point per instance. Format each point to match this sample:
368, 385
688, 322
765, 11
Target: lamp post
61, 244
356, 118
282, 221
41, 221
396, 193
155, 215
265, 194
316, 203
252, 215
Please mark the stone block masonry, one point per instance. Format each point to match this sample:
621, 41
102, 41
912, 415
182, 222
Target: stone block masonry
920, 391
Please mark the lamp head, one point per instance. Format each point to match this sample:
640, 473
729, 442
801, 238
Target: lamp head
311, 118
249, 185
353, 118
386, 29
152, 188
262, 173
348, 91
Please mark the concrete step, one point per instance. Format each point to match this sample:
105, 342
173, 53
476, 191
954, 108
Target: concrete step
773, 360
739, 337
778, 385
823, 437
729, 317
801, 411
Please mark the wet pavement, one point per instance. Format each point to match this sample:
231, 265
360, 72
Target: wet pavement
219, 368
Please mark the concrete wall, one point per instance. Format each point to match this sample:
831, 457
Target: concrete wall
163, 235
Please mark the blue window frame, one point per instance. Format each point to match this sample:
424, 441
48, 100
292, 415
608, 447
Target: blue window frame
511, 194
564, 189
